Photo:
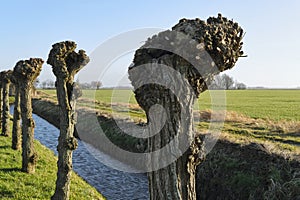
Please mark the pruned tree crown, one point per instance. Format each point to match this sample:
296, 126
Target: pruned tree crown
65, 61
28, 69
6, 76
198, 50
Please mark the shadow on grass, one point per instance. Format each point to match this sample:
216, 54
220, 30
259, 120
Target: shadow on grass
10, 169
5, 147
7, 194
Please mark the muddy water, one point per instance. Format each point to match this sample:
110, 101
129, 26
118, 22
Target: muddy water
113, 184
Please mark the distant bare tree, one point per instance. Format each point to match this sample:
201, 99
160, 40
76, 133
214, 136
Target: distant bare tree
50, 83
44, 84
217, 83
222, 82
227, 81
96, 84
240, 86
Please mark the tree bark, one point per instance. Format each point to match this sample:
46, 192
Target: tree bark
196, 50
176, 181
16, 132
1, 101
66, 141
5, 108
25, 72
66, 63
29, 156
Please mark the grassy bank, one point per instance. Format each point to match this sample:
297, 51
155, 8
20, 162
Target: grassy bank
15, 184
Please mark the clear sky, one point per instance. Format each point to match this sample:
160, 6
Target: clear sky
29, 28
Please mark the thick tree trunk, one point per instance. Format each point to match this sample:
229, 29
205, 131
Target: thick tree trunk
177, 180
24, 74
5, 109
197, 50
16, 132
1, 101
28, 153
66, 141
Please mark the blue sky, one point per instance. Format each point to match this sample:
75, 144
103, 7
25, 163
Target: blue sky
29, 28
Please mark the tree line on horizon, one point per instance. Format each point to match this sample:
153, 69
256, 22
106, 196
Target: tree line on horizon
50, 84
226, 82
220, 82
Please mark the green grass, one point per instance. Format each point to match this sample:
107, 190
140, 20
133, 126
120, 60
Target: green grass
15, 184
263, 104
277, 109
260, 104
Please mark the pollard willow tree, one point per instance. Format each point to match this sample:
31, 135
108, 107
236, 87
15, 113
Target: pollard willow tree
1, 92
26, 71
16, 131
5, 107
170, 71
65, 64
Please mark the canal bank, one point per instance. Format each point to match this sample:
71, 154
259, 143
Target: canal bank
233, 170
112, 183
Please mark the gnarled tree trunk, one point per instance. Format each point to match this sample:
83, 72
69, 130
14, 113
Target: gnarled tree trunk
5, 107
16, 132
176, 180
1, 95
65, 64
26, 72
169, 72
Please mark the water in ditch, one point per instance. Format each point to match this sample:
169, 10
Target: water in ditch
113, 184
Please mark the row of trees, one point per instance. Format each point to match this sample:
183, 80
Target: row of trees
50, 84
65, 64
226, 82
176, 141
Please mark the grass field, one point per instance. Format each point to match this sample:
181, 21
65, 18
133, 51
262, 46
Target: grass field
256, 115
18, 185
275, 105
